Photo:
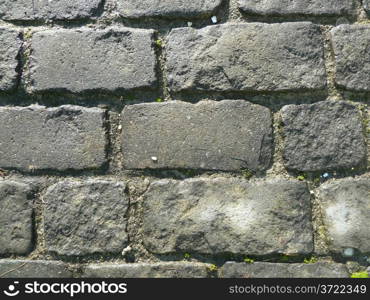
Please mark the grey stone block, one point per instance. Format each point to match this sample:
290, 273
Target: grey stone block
367, 5
226, 135
346, 214
90, 59
46, 9
298, 7
15, 218
352, 56
166, 8
283, 270
326, 135
33, 269
246, 57
215, 216
147, 270
62, 138
10, 45
86, 217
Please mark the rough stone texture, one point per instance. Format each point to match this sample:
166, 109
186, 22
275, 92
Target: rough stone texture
246, 57
367, 5
214, 216
147, 270
33, 269
226, 135
346, 212
86, 218
10, 45
323, 136
62, 138
351, 44
87, 59
46, 9
166, 8
299, 7
15, 218
368, 270
283, 270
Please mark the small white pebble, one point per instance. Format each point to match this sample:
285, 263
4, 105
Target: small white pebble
190, 24
119, 127
154, 158
126, 250
214, 19
348, 252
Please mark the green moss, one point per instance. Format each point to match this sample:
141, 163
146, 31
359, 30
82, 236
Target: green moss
159, 43
247, 174
159, 100
213, 268
363, 274
301, 177
310, 260
187, 256
248, 260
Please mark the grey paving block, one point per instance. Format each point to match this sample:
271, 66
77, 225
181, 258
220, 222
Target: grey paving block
246, 57
62, 138
226, 135
220, 215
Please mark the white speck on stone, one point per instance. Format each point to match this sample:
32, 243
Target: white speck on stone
120, 127
190, 24
154, 158
348, 252
214, 19
126, 250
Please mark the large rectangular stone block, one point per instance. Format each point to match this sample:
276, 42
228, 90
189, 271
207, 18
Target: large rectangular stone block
147, 270
15, 218
48, 9
283, 270
215, 216
10, 45
61, 138
166, 8
298, 7
86, 217
351, 44
226, 135
91, 59
33, 269
246, 57
346, 214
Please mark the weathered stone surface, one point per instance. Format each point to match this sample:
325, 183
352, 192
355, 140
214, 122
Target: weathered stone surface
10, 45
352, 56
299, 7
33, 269
346, 212
46, 9
226, 135
223, 215
368, 270
87, 59
166, 8
15, 218
367, 5
86, 218
147, 270
283, 270
62, 138
322, 136
246, 57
